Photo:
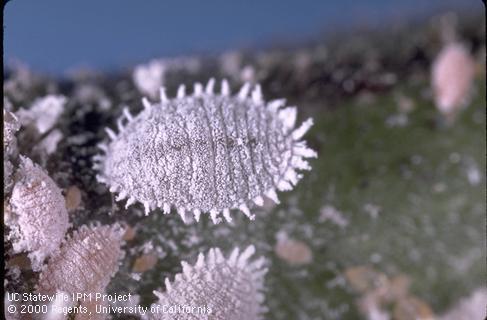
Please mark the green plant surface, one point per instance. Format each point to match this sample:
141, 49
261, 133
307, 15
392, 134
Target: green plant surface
404, 190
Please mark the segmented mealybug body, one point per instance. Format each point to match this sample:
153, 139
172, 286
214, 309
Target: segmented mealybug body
38, 219
205, 152
230, 287
85, 262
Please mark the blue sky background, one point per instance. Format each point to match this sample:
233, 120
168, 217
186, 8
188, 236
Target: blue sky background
57, 35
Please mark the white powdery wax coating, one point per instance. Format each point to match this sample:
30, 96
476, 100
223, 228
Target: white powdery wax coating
471, 307
452, 76
205, 152
8, 170
39, 218
43, 114
230, 287
149, 78
10, 126
85, 262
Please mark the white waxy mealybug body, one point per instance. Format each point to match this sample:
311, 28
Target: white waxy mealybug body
148, 78
452, 76
205, 153
11, 125
230, 287
85, 262
43, 114
38, 219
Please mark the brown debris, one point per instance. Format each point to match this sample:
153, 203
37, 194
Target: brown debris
73, 198
380, 293
294, 252
144, 263
363, 278
129, 233
21, 261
